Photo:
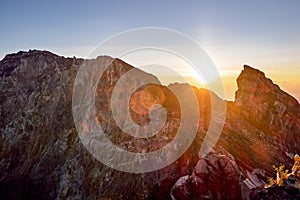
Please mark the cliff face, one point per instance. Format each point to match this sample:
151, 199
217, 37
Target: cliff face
42, 156
273, 114
261, 129
272, 110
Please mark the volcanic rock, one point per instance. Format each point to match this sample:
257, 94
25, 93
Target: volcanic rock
42, 156
207, 180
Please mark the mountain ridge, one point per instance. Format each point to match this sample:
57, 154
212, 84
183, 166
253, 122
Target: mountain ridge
42, 156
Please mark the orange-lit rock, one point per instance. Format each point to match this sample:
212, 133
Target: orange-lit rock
41, 156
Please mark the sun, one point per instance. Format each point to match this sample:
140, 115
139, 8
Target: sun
167, 67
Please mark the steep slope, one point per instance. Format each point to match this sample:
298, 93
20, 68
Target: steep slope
41, 155
261, 130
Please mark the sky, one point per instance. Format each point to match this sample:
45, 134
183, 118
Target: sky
264, 34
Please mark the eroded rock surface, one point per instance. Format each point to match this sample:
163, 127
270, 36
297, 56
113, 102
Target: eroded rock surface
42, 157
261, 129
217, 176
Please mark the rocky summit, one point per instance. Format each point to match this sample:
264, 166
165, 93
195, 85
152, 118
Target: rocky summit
42, 156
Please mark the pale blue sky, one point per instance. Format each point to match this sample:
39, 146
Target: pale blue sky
262, 33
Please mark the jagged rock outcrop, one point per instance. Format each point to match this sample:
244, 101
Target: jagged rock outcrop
261, 129
207, 180
268, 122
42, 157
272, 110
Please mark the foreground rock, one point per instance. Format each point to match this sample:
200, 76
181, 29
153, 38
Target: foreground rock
275, 193
207, 180
286, 185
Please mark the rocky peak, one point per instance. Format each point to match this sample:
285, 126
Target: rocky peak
42, 157
254, 87
263, 103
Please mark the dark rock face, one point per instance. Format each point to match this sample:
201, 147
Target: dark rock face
42, 157
275, 193
207, 180
36, 126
